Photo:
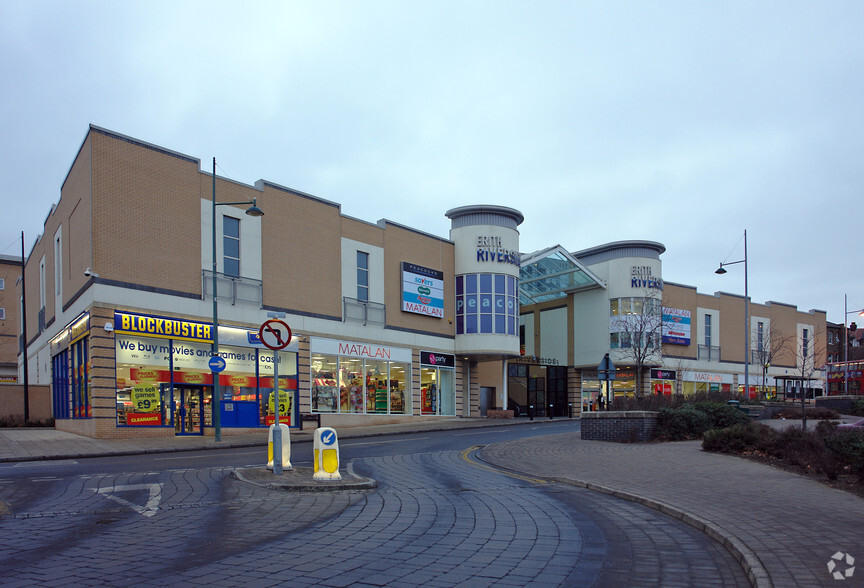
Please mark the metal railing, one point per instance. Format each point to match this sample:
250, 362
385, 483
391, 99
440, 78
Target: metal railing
233, 289
363, 311
709, 353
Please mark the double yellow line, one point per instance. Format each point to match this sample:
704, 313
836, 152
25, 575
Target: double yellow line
466, 456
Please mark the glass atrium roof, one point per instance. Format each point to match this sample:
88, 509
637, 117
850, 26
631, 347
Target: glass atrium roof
553, 273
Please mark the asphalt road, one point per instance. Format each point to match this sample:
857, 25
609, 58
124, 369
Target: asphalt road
439, 517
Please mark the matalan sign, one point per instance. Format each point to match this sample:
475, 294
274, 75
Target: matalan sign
422, 290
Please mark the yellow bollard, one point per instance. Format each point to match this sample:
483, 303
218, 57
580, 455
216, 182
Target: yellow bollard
286, 447
326, 450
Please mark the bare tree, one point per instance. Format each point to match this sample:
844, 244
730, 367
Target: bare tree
635, 333
807, 359
772, 344
680, 365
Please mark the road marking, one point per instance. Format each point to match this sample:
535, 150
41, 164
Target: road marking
465, 455
148, 510
47, 479
47, 463
201, 457
354, 444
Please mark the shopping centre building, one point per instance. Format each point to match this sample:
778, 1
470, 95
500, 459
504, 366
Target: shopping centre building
389, 323
661, 337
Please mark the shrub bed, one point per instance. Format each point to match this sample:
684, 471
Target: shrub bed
826, 449
691, 421
816, 413
17, 420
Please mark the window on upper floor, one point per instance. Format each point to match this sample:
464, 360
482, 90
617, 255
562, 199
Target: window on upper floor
708, 330
2, 283
805, 344
231, 246
2, 314
362, 275
42, 294
58, 264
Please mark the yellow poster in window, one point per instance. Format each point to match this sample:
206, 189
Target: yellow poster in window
145, 398
285, 398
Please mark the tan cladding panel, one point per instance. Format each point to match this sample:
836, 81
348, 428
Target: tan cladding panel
76, 211
147, 211
9, 326
363, 232
72, 216
301, 249
405, 245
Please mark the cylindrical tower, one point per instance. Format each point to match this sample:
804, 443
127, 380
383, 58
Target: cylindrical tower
487, 278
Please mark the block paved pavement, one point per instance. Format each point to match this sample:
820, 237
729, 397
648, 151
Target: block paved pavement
785, 526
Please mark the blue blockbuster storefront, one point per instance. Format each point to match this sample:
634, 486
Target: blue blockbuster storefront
163, 377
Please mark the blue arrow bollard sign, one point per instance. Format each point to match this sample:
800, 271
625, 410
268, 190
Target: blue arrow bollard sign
328, 437
217, 364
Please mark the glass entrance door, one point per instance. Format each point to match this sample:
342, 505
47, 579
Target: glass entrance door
537, 394
189, 408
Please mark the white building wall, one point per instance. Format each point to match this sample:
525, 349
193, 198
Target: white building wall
553, 335
591, 328
350, 248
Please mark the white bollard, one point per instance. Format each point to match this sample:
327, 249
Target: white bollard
326, 448
285, 445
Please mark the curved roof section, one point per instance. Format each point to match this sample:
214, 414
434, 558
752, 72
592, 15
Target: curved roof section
484, 214
553, 273
619, 249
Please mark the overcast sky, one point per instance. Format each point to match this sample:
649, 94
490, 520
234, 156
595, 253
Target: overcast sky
679, 122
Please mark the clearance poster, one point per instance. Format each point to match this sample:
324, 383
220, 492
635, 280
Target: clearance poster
145, 406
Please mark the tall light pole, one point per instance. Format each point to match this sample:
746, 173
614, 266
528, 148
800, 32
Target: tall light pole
722, 271
846, 344
217, 399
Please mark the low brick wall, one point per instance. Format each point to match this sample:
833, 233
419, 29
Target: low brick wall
618, 426
842, 404
494, 413
12, 401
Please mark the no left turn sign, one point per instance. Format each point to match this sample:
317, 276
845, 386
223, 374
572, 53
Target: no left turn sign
275, 334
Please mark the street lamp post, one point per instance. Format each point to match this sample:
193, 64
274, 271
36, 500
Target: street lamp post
846, 343
722, 271
217, 399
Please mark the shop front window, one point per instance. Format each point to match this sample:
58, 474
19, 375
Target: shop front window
325, 387
143, 381
60, 385
287, 388
81, 407
437, 394
167, 382
399, 402
352, 385
376, 386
